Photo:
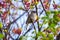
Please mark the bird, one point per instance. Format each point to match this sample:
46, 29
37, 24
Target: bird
32, 18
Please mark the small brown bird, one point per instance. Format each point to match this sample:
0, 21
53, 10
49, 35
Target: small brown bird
33, 17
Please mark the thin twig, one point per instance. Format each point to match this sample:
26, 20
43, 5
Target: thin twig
15, 20
37, 14
42, 6
27, 31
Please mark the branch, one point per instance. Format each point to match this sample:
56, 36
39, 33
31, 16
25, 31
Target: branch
15, 20
42, 6
27, 31
37, 14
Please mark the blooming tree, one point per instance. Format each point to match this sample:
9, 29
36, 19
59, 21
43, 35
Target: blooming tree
34, 19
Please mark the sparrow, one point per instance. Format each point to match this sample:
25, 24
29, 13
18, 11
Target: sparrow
33, 17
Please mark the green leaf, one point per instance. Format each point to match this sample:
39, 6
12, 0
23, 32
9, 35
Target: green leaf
42, 34
56, 18
53, 30
52, 11
48, 12
1, 36
52, 25
44, 38
1, 25
21, 37
51, 36
45, 17
39, 34
56, 11
40, 25
31, 7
